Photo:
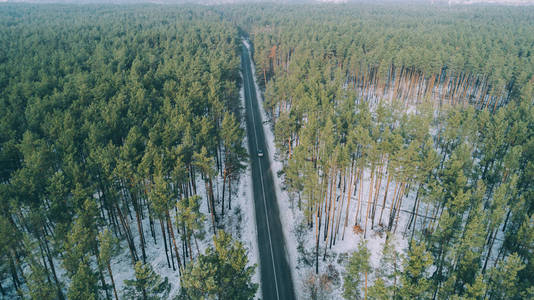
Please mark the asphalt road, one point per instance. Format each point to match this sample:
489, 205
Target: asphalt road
275, 273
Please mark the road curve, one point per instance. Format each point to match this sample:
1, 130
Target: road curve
275, 273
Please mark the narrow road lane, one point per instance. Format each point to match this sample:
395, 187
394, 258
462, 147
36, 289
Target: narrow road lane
275, 273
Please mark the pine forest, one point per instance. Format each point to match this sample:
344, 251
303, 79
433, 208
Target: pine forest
398, 141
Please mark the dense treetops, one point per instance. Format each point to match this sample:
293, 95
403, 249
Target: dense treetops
110, 116
491, 42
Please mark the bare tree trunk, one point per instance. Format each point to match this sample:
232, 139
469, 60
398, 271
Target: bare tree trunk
128, 234
359, 204
164, 242
391, 210
332, 222
317, 233
488, 256
223, 190
329, 216
51, 263
328, 205
169, 225
140, 230
341, 205
385, 197
211, 209
365, 291
353, 179
368, 202
101, 274
113, 281
415, 219
378, 181
399, 205
229, 192
212, 198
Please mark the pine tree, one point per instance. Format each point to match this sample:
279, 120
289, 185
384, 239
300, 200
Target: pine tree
469, 249
147, 285
476, 290
83, 284
205, 164
234, 153
389, 265
503, 279
200, 278
191, 218
38, 280
358, 267
108, 248
414, 278
221, 272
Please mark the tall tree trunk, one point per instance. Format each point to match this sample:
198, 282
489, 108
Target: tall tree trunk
399, 205
368, 202
415, 217
211, 208
332, 221
378, 181
174, 243
164, 242
317, 233
112, 282
365, 291
413, 214
359, 203
140, 230
170, 246
54, 274
101, 274
128, 234
493, 235
229, 192
392, 206
385, 197
225, 174
353, 180
102, 280
329, 217
340, 209
328, 205
212, 199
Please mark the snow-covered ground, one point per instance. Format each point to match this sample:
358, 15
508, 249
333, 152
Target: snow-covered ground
292, 218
